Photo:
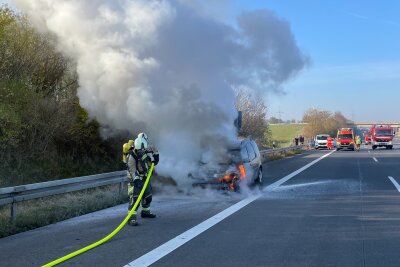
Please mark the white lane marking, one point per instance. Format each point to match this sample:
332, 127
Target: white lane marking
166, 248
375, 159
290, 176
396, 184
369, 152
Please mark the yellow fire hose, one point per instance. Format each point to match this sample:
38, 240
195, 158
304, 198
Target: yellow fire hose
112, 234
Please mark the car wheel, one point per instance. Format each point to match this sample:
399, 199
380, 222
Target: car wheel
373, 147
259, 178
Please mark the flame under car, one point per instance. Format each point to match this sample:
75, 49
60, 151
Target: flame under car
241, 164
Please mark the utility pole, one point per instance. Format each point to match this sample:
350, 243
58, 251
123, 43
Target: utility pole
280, 114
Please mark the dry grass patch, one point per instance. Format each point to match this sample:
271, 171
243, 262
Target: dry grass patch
40, 212
284, 154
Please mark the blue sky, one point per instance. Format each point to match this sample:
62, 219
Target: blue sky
354, 47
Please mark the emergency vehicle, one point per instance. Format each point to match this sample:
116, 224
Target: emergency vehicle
345, 139
382, 136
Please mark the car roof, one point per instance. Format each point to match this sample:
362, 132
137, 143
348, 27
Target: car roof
236, 144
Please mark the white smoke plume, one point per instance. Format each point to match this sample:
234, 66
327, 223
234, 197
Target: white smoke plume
166, 67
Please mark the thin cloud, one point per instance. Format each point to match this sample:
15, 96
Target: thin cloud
363, 17
391, 22
357, 16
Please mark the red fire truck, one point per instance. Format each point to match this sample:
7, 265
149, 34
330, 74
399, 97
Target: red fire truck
382, 136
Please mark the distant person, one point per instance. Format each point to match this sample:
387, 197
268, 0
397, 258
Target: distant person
329, 142
273, 144
296, 141
358, 143
301, 140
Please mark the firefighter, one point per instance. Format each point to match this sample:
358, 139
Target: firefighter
330, 143
139, 160
358, 142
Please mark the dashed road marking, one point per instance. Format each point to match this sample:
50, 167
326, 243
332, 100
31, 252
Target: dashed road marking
375, 159
396, 184
166, 248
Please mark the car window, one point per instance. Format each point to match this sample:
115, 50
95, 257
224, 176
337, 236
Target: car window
234, 156
244, 154
255, 147
250, 149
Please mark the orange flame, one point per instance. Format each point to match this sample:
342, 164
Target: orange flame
242, 172
227, 178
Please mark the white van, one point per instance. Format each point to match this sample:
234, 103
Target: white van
321, 141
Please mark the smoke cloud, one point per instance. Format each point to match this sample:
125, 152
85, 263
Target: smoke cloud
167, 67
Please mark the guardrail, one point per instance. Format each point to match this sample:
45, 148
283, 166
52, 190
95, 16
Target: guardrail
15, 194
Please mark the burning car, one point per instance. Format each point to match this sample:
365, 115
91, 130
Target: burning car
241, 163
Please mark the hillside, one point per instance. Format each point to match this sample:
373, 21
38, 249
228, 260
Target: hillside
283, 134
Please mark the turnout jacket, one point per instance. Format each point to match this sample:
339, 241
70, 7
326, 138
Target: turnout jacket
139, 162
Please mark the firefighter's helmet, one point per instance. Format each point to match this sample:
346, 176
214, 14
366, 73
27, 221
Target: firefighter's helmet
143, 136
140, 143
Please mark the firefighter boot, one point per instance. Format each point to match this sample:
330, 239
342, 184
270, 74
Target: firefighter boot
145, 213
132, 220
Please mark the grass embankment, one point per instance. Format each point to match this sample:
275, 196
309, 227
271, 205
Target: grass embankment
39, 212
283, 134
44, 211
280, 155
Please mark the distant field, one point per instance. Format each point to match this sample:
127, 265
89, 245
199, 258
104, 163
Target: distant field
283, 134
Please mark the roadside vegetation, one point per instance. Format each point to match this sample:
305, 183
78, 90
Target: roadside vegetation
254, 118
323, 122
44, 133
283, 154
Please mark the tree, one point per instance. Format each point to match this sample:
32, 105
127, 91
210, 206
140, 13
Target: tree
29, 56
275, 120
322, 122
254, 112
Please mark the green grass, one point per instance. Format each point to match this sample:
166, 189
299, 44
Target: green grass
283, 134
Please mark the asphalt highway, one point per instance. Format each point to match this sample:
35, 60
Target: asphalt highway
342, 210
